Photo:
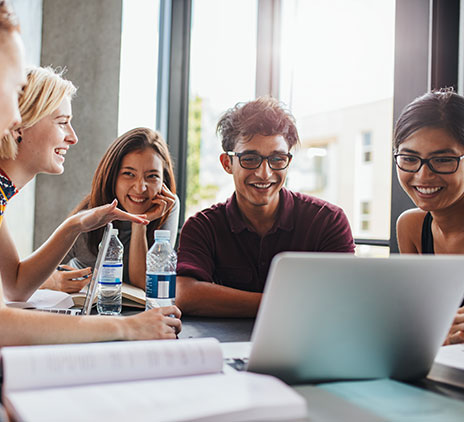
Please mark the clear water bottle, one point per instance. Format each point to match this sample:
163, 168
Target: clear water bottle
161, 272
110, 279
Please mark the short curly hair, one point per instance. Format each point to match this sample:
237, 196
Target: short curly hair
264, 116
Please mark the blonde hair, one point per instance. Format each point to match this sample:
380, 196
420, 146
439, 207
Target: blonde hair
44, 91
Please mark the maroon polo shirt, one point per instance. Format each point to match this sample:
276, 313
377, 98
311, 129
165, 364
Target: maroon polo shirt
217, 245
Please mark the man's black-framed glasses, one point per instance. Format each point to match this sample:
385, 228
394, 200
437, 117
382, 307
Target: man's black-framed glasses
440, 165
252, 161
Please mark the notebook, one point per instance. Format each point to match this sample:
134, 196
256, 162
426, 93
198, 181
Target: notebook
330, 317
92, 286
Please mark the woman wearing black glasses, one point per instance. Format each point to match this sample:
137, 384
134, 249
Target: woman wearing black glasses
428, 149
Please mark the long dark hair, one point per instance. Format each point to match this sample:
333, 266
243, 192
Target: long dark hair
441, 109
104, 180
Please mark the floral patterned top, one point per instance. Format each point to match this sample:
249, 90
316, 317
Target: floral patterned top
7, 191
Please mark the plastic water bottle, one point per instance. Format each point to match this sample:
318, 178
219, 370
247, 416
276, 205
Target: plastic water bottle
161, 272
110, 280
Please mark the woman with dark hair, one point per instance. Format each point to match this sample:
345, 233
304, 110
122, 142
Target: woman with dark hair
137, 171
428, 149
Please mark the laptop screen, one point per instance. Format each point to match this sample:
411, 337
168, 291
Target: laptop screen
96, 272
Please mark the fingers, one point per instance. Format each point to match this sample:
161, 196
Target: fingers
125, 216
174, 325
73, 274
455, 338
171, 310
165, 191
73, 286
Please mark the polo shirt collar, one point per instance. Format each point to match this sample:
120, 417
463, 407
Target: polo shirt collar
284, 214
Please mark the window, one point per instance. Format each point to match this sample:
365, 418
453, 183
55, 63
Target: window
337, 78
222, 73
366, 147
365, 216
139, 64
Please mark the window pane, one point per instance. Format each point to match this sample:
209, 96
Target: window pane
139, 64
337, 78
222, 73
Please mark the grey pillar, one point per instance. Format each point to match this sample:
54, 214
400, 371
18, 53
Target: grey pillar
85, 37
412, 78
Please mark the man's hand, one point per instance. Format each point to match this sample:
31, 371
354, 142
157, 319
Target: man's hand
456, 332
154, 324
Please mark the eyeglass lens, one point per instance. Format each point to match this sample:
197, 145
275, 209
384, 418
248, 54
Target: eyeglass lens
253, 161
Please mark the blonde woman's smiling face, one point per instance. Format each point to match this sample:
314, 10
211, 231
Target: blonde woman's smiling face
46, 143
139, 180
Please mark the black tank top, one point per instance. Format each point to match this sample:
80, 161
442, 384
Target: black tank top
427, 236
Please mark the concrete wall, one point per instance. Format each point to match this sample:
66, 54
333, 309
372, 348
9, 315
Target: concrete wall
20, 211
85, 37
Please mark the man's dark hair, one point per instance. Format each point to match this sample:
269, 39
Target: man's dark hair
264, 116
441, 109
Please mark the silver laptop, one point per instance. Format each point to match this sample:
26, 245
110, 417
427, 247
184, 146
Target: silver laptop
92, 286
336, 316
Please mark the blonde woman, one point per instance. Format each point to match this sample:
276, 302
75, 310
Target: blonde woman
21, 277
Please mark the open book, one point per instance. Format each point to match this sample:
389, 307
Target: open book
448, 366
169, 380
131, 296
44, 298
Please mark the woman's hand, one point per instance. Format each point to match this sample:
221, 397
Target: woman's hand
97, 217
162, 204
154, 324
456, 332
71, 281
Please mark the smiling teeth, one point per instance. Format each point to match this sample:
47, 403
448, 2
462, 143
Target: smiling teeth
137, 200
427, 191
60, 151
262, 185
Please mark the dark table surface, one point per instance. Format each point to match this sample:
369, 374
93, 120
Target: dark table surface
224, 329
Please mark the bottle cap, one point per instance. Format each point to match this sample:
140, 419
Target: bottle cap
162, 234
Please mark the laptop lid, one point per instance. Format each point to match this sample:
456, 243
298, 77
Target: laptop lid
92, 289
336, 316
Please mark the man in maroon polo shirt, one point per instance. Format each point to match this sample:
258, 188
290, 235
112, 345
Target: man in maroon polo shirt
225, 251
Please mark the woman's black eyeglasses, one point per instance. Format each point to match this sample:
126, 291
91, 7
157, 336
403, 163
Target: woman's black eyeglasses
440, 165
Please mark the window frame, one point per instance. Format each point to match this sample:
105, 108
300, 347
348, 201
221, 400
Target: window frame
422, 28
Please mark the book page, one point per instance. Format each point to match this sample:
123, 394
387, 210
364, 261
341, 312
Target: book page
452, 356
207, 398
44, 298
131, 296
34, 367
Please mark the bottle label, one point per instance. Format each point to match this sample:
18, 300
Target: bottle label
161, 286
111, 274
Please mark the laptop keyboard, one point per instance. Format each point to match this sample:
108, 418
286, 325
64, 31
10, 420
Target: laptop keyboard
61, 311
237, 363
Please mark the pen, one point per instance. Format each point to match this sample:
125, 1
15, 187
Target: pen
60, 268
